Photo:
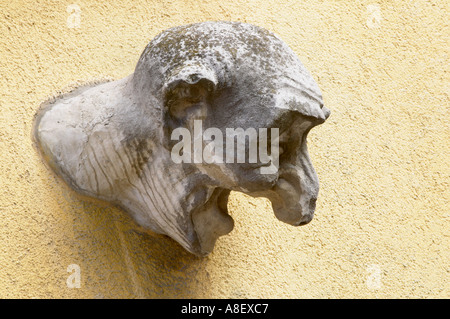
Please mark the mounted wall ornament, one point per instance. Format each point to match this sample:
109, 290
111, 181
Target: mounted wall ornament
119, 141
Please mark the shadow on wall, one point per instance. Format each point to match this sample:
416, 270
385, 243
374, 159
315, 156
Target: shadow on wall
119, 259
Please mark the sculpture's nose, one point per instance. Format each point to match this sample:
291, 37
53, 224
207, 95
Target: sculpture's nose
307, 217
298, 188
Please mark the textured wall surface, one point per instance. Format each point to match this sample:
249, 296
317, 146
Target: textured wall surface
381, 228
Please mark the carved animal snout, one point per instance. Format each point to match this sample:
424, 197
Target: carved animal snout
295, 192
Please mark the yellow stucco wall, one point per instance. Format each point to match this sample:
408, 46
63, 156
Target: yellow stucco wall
381, 228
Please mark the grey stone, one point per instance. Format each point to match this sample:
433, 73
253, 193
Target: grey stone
112, 140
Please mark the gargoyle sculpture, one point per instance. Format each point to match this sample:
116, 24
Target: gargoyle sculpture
115, 140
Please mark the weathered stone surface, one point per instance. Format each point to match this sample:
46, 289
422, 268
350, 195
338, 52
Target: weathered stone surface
112, 140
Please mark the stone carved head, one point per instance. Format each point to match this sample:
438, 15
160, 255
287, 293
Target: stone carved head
114, 141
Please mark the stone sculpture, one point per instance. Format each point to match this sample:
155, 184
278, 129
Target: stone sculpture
114, 141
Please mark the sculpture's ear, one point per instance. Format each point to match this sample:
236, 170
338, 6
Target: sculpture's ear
187, 97
187, 93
